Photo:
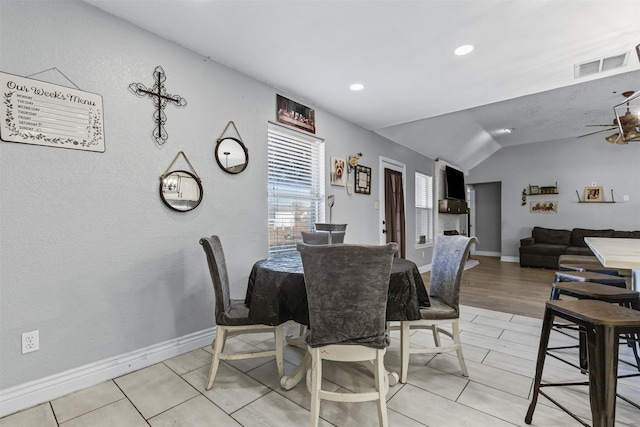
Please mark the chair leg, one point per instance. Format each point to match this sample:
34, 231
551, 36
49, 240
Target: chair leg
382, 386
436, 335
547, 324
456, 339
404, 351
278, 333
218, 347
316, 383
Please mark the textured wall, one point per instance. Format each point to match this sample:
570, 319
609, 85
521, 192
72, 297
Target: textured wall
574, 164
89, 254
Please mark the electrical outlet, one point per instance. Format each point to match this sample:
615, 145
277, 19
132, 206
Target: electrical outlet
625, 197
30, 341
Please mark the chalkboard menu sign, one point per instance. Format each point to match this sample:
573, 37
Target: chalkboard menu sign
35, 112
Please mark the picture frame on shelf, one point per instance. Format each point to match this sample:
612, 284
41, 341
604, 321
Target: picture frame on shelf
534, 189
363, 180
593, 194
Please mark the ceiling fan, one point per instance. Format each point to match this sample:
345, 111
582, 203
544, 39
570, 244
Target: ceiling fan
627, 124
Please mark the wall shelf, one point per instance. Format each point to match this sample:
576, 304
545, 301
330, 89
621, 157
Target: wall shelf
536, 190
596, 201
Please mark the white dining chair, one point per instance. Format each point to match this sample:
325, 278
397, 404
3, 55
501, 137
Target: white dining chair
232, 316
347, 288
450, 254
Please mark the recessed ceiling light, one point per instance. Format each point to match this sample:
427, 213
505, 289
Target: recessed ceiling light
356, 86
505, 131
463, 50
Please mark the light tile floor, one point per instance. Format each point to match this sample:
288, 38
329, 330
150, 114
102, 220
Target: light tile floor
500, 351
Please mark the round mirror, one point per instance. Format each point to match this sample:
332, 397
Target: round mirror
231, 154
181, 191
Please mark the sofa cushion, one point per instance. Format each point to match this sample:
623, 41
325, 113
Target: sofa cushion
578, 235
543, 249
627, 234
551, 236
579, 250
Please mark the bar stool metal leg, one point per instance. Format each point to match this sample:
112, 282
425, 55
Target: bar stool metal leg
547, 323
602, 345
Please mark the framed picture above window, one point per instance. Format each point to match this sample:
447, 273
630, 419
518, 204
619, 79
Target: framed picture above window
291, 113
363, 180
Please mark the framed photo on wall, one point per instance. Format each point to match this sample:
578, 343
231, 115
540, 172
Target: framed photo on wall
338, 171
291, 113
593, 194
546, 207
363, 180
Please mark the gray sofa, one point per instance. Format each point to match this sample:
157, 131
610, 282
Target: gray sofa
544, 247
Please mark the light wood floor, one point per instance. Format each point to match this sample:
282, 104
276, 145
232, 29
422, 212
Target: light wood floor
505, 286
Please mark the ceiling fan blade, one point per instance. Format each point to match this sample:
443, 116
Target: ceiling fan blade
598, 131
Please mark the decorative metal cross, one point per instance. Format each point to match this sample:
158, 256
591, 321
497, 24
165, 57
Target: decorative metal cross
160, 98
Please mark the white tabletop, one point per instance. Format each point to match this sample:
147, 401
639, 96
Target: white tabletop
616, 252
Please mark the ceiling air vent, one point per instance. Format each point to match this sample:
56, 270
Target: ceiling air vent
599, 65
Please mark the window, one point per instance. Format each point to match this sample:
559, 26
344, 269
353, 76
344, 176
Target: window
295, 187
424, 209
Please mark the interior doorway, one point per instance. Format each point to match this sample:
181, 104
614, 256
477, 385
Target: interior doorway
393, 203
486, 217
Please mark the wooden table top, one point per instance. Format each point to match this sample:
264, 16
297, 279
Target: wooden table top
616, 252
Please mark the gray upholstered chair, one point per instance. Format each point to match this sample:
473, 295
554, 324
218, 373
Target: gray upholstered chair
322, 237
232, 316
347, 289
449, 257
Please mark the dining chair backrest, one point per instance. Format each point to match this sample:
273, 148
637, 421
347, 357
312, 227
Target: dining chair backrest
347, 289
219, 276
322, 237
450, 255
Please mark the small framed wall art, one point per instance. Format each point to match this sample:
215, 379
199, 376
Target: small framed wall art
338, 171
363, 180
547, 207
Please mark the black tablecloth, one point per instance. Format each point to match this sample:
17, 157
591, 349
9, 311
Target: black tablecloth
276, 292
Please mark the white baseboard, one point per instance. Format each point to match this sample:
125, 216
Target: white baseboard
29, 394
424, 268
487, 253
510, 259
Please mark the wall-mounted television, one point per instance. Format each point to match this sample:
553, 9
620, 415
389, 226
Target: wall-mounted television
454, 187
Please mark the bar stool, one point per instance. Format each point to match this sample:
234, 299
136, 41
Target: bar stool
596, 268
597, 291
590, 276
603, 323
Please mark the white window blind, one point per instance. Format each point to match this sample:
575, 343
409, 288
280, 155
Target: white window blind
295, 187
424, 208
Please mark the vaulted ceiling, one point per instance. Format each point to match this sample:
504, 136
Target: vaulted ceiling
416, 92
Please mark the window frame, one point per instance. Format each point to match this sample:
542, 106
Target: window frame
295, 178
423, 204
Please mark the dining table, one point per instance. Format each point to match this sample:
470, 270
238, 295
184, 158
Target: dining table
618, 253
276, 294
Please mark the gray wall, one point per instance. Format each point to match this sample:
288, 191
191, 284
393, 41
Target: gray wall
488, 218
574, 164
89, 254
